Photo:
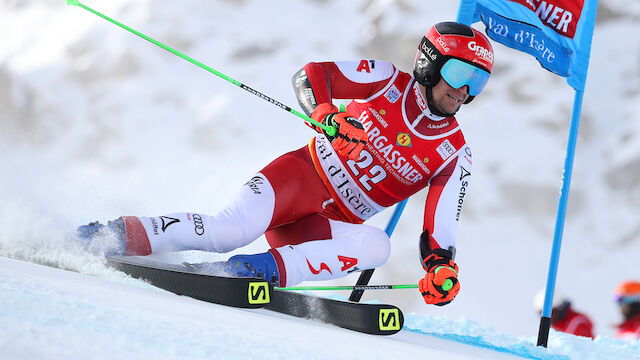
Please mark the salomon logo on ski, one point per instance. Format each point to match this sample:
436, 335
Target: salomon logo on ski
182, 280
259, 292
389, 319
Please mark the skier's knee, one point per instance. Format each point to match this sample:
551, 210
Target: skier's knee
379, 245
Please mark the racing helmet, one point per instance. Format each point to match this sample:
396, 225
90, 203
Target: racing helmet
456, 52
627, 292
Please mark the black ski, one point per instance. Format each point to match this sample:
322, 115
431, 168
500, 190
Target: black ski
237, 292
376, 319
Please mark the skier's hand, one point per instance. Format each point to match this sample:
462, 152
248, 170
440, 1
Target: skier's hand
350, 138
440, 285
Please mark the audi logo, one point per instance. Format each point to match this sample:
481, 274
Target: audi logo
199, 225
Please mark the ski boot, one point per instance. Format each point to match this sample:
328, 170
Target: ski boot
246, 266
108, 239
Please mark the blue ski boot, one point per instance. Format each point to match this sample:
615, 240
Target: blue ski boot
246, 266
97, 237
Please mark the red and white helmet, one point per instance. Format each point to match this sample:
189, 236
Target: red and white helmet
456, 52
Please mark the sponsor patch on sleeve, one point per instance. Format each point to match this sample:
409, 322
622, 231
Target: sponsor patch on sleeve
445, 149
393, 94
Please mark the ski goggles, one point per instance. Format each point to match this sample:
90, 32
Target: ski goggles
622, 299
459, 73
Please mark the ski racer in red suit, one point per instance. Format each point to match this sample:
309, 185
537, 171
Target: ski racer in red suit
563, 316
570, 321
397, 136
627, 295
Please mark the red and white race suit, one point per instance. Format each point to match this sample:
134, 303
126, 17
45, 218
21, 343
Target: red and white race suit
629, 329
311, 203
574, 323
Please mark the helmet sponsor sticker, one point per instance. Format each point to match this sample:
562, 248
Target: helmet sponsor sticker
428, 51
480, 51
443, 43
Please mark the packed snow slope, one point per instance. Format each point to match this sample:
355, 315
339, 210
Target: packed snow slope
49, 313
97, 123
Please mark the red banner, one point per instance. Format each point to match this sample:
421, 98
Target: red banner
560, 15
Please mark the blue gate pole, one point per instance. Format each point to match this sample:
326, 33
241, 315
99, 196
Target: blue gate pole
365, 276
545, 320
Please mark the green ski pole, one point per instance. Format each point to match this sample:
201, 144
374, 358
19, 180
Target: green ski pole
351, 287
330, 130
446, 286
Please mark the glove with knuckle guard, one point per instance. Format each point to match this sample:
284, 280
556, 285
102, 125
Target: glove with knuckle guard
350, 138
440, 285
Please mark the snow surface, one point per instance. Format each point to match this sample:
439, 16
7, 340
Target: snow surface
48, 313
97, 123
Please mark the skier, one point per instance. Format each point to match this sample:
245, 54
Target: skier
397, 136
627, 295
563, 317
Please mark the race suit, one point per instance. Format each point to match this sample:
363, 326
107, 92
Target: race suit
311, 203
573, 322
629, 329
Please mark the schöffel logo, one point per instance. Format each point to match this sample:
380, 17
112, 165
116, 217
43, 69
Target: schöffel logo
168, 221
254, 184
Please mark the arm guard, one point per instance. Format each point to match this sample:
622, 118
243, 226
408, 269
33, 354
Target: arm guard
304, 91
427, 247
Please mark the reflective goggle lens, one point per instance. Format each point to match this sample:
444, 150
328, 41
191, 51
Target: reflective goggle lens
459, 73
620, 299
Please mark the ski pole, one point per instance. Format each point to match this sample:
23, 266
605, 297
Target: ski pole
352, 287
330, 130
446, 286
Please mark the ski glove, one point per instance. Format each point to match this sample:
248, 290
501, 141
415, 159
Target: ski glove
350, 138
440, 285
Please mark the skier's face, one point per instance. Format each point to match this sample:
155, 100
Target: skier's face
447, 99
629, 310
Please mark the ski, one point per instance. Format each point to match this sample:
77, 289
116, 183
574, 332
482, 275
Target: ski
236, 292
376, 319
